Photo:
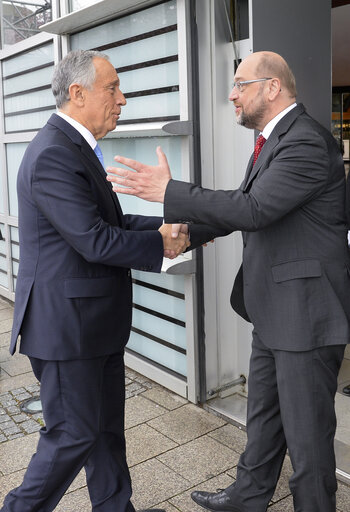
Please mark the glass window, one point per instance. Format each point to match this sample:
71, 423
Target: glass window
14, 155
75, 5
136, 26
2, 206
143, 48
15, 254
158, 328
3, 261
144, 150
28, 100
159, 320
20, 20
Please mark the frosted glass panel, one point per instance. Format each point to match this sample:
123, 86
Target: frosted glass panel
152, 77
3, 261
158, 353
2, 206
166, 304
156, 47
3, 265
168, 331
29, 100
14, 234
31, 121
27, 60
154, 106
34, 79
15, 251
167, 281
4, 280
137, 23
144, 150
14, 154
15, 268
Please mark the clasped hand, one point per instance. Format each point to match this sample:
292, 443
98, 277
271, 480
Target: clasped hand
175, 239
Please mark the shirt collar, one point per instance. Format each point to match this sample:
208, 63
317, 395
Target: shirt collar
84, 132
271, 124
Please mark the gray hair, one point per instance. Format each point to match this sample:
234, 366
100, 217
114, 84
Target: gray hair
75, 68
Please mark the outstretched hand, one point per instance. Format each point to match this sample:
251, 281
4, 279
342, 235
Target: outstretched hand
148, 182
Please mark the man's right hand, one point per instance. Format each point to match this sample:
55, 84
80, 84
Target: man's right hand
173, 246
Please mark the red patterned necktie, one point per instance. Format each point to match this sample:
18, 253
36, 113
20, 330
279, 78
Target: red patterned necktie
260, 141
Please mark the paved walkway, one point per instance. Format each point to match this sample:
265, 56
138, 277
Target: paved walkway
173, 446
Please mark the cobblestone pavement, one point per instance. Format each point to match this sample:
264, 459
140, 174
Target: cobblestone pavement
173, 446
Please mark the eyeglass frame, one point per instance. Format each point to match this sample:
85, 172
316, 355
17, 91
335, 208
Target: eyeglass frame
238, 85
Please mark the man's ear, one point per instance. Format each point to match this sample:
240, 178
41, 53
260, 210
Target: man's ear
274, 88
76, 94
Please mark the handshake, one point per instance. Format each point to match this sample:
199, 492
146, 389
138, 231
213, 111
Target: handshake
175, 239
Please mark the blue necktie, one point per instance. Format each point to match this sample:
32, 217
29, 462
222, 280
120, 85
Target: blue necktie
99, 155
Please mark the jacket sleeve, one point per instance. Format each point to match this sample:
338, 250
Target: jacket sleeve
142, 222
297, 173
63, 194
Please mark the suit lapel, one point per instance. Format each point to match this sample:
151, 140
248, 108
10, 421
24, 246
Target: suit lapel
93, 164
247, 173
280, 129
98, 170
266, 150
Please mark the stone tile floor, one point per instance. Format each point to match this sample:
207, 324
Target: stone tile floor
173, 446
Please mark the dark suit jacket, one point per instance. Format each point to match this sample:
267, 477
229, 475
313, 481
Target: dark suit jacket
291, 210
73, 293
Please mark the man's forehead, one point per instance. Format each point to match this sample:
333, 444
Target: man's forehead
246, 68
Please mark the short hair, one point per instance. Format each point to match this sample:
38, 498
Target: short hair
273, 65
75, 68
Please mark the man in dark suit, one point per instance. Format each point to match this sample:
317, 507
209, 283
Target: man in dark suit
294, 284
73, 296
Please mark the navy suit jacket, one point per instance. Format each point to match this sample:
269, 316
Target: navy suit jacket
295, 281
73, 292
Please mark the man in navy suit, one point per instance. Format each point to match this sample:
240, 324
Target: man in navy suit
294, 284
73, 297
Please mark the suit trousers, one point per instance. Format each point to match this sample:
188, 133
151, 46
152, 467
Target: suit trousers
290, 405
83, 405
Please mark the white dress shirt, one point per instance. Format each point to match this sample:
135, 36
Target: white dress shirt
90, 139
271, 124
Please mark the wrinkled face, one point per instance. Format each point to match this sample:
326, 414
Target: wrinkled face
250, 103
103, 102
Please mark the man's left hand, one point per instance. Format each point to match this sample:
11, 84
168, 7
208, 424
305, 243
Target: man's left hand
148, 182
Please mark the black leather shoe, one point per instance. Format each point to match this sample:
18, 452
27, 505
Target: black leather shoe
216, 501
346, 390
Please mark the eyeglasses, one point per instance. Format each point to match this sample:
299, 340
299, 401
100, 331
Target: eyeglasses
240, 85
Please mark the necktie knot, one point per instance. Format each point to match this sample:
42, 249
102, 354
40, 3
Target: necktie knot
99, 155
260, 141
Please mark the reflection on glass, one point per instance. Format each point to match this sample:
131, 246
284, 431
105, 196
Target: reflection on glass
341, 120
20, 20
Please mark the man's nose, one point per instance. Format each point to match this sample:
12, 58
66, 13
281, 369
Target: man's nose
233, 94
121, 99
